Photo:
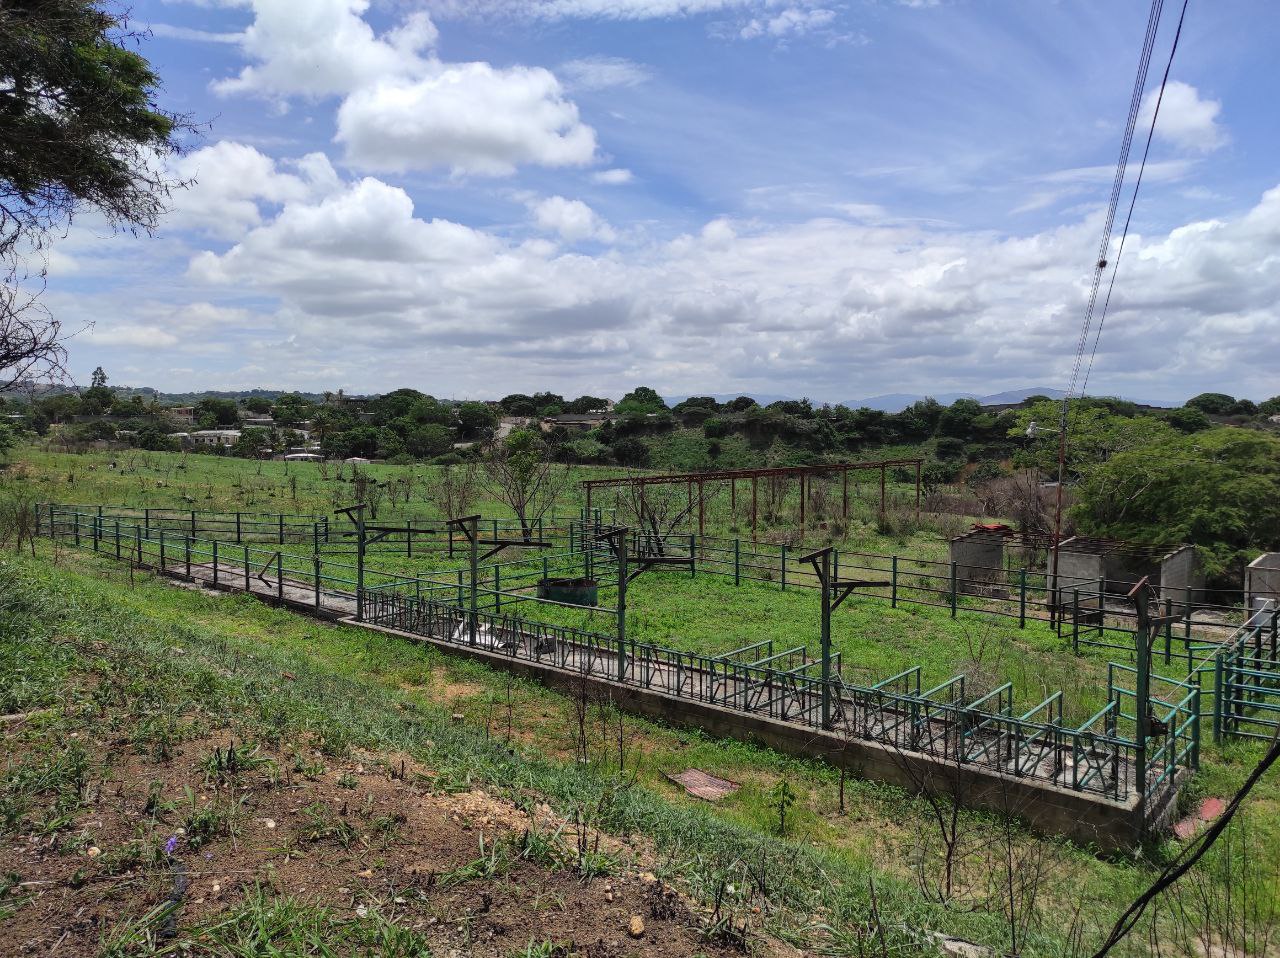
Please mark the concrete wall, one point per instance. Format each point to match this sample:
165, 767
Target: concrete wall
1182, 579
979, 559
1262, 579
1049, 810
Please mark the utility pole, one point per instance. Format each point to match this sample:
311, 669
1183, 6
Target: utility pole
834, 592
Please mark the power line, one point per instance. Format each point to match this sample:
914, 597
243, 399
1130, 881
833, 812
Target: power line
1137, 185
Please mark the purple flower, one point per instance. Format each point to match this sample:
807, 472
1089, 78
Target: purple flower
171, 845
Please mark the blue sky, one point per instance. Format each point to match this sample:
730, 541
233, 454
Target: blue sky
801, 197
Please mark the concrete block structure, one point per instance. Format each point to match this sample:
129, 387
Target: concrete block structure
979, 562
1262, 580
1182, 579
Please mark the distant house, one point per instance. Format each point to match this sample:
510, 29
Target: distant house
215, 437
184, 414
575, 422
258, 422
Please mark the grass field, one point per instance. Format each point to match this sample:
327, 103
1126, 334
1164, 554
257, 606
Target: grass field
200, 661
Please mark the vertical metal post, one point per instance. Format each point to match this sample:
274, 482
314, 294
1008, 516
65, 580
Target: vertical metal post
163, 564
1143, 693
693, 556
282, 528
193, 523
215, 563
825, 585
146, 521
620, 551
117, 538
784, 568
1075, 621
1022, 598
408, 538
237, 527
474, 536
360, 548
248, 585
137, 544
737, 562
893, 590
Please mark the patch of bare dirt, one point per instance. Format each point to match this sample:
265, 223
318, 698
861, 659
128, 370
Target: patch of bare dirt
366, 833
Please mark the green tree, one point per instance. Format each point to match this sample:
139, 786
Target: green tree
640, 402
251, 443
1094, 435
1218, 489
221, 412
8, 439
258, 405
1269, 407
631, 452
292, 409
521, 475
586, 404
80, 131
1215, 404
476, 420
1187, 419
428, 441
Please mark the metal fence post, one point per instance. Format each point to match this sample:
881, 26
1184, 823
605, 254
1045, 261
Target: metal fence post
955, 589
237, 527
1022, 598
163, 564
280, 576
188, 552
215, 563
315, 559
693, 552
117, 538
1075, 621
248, 586
893, 590
737, 562
784, 568
282, 528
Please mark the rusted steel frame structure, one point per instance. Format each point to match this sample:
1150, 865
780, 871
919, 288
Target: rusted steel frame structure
801, 473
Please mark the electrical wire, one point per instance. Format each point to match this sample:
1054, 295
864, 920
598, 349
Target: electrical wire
1137, 185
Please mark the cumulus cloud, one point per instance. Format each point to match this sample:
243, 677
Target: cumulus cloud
402, 107
471, 117
590, 9
1186, 119
791, 21
324, 47
573, 220
737, 302
230, 182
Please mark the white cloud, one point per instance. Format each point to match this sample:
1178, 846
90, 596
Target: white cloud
324, 47
614, 177
1185, 120
590, 9
601, 73
132, 334
574, 220
737, 303
791, 21
402, 107
230, 181
471, 117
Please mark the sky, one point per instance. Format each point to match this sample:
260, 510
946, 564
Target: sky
824, 198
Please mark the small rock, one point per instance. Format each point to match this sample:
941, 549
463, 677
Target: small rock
93, 851
216, 888
269, 822
636, 928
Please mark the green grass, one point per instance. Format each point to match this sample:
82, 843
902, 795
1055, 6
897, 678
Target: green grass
220, 659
